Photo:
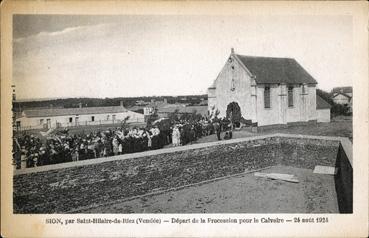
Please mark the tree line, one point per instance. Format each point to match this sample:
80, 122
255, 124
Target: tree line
103, 102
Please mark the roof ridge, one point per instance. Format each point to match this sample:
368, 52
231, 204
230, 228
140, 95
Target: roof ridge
74, 110
267, 57
343, 93
66, 108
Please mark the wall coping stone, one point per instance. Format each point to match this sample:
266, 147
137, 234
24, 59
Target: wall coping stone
345, 142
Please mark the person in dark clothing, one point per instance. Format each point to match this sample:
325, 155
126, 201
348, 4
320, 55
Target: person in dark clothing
230, 130
228, 133
217, 128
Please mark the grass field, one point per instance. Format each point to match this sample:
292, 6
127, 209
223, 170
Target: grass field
340, 126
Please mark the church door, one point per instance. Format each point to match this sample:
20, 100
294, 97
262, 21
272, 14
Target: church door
234, 113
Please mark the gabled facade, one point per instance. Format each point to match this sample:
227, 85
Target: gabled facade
267, 90
341, 98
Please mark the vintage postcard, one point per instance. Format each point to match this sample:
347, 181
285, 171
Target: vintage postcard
180, 118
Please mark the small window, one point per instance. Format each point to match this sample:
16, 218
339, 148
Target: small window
107, 117
290, 96
233, 85
41, 121
303, 89
267, 97
92, 118
70, 119
113, 117
232, 67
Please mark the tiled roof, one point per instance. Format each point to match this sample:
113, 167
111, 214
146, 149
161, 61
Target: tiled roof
321, 103
339, 93
276, 70
52, 112
136, 108
342, 90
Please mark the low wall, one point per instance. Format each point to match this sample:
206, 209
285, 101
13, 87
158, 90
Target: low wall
307, 153
344, 180
64, 190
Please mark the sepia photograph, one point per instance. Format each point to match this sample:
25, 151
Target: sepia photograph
183, 114
144, 114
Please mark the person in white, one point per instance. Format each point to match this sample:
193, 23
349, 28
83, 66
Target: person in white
149, 141
176, 136
115, 146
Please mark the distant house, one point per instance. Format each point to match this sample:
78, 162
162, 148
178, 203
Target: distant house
345, 90
66, 117
266, 91
343, 96
141, 103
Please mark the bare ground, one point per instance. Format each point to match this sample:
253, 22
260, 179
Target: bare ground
315, 193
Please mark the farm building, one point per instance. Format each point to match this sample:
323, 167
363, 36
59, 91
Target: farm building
66, 117
343, 96
266, 91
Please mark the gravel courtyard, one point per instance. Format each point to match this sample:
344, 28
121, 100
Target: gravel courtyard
315, 193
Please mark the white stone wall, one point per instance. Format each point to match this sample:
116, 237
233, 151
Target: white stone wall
304, 104
324, 115
268, 116
294, 112
212, 101
300, 111
311, 104
241, 93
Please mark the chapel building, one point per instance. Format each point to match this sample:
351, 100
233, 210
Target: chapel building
266, 91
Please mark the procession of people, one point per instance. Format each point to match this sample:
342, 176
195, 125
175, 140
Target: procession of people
33, 151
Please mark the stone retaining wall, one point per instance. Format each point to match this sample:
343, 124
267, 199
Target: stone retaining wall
344, 181
307, 153
66, 189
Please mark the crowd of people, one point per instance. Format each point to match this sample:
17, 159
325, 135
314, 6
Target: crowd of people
33, 151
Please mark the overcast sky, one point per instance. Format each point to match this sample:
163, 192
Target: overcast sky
120, 56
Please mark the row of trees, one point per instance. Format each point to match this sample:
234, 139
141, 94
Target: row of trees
103, 102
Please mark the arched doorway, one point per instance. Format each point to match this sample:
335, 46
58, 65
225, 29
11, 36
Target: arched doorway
234, 113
